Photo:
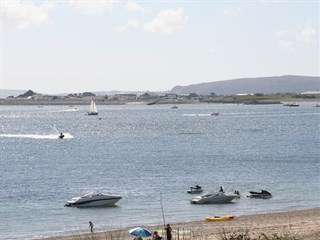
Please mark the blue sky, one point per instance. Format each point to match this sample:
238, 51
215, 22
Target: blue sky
99, 45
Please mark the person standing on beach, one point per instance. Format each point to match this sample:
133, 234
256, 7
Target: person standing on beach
91, 226
168, 231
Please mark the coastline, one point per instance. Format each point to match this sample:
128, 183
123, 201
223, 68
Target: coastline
100, 100
302, 224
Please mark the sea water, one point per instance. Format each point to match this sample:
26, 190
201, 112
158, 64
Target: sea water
151, 155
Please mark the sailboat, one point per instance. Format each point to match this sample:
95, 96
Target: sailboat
93, 108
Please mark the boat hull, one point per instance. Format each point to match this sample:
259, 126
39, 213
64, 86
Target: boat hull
92, 113
218, 218
93, 201
262, 195
194, 191
214, 199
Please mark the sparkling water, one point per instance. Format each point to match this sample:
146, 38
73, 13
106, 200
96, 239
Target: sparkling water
151, 155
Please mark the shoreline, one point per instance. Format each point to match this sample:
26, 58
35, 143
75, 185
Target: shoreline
102, 101
302, 224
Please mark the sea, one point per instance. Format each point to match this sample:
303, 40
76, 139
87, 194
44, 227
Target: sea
150, 155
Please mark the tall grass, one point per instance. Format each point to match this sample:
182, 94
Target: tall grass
262, 236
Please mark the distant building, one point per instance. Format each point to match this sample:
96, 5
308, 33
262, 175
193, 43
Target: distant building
171, 96
125, 96
146, 96
88, 94
193, 95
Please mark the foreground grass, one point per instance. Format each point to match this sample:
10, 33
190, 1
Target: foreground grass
246, 236
195, 235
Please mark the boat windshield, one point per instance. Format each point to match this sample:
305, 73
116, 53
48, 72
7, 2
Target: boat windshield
91, 194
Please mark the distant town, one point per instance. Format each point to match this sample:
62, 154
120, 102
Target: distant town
260, 90
149, 98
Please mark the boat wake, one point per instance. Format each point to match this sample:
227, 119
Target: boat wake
198, 115
65, 110
36, 136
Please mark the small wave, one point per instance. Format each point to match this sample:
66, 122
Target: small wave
36, 136
64, 110
198, 115
191, 133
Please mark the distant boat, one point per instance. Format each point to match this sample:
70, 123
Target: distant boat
195, 189
154, 102
214, 198
317, 105
93, 199
175, 106
291, 105
214, 114
93, 108
263, 194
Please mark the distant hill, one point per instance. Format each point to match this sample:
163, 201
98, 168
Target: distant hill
6, 93
279, 84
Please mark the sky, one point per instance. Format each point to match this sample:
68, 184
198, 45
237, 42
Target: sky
73, 46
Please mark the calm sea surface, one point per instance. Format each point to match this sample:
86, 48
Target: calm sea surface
147, 152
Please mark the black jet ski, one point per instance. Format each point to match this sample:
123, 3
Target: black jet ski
195, 189
263, 194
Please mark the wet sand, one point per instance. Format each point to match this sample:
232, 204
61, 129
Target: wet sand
303, 224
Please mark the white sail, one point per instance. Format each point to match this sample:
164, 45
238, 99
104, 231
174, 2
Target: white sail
93, 108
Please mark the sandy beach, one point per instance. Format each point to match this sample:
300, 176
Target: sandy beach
302, 224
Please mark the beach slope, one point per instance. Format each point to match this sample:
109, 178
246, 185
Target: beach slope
302, 224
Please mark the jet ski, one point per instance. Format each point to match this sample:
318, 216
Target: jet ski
61, 136
195, 189
263, 194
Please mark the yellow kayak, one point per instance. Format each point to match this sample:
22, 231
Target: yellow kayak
218, 218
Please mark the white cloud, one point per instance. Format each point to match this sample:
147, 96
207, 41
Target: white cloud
92, 7
167, 22
307, 35
131, 24
134, 7
134, 23
25, 14
294, 39
284, 44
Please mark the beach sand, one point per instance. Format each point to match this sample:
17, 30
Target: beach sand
303, 224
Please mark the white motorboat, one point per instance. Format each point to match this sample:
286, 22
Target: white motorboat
291, 105
263, 194
93, 199
214, 198
195, 189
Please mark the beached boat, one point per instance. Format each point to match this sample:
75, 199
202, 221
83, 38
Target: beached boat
263, 194
93, 108
195, 189
214, 198
93, 199
218, 218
